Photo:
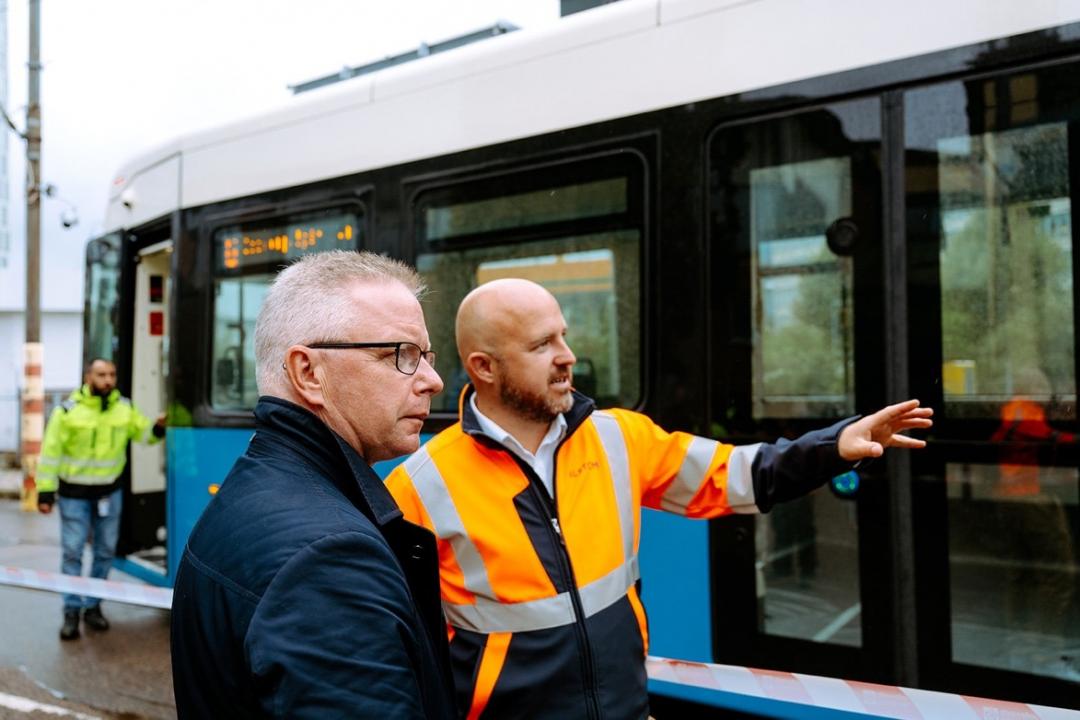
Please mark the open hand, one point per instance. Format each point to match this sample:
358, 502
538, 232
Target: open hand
869, 436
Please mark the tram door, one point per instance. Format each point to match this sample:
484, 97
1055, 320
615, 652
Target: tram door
993, 238
796, 241
966, 185
149, 372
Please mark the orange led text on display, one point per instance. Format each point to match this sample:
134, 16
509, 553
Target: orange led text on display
240, 247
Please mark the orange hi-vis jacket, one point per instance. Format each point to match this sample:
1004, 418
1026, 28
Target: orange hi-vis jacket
542, 596
1023, 424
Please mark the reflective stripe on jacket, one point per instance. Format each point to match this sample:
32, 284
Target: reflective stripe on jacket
85, 444
542, 597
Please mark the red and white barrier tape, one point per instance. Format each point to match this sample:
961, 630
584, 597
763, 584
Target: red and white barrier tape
848, 695
130, 593
822, 692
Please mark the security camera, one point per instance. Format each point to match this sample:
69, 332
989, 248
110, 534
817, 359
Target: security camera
127, 198
69, 219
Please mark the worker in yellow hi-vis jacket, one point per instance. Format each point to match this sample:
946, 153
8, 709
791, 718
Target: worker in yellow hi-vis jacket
82, 457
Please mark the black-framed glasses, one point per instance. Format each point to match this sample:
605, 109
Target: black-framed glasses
407, 355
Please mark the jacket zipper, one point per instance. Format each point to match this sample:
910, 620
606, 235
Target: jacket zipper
567, 568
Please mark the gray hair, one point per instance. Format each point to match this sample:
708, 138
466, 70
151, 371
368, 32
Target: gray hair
308, 303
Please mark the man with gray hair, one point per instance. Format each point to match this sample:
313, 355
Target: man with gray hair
302, 592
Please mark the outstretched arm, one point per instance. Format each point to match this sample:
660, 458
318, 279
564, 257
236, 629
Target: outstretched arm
869, 436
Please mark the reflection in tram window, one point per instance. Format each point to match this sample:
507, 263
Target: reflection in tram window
804, 362
1006, 268
810, 593
1013, 565
236, 306
102, 295
1012, 551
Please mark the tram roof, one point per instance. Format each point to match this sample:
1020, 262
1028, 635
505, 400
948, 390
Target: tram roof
612, 61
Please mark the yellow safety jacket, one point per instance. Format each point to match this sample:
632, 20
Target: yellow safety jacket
85, 445
542, 596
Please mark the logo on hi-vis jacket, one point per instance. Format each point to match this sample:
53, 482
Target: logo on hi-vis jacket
584, 467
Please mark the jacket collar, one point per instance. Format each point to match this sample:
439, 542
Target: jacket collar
578, 413
306, 435
85, 396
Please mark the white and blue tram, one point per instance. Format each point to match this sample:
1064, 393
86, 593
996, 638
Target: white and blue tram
759, 215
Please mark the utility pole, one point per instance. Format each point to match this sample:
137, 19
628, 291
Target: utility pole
33, 399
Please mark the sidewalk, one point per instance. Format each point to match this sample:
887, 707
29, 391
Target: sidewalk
10, 482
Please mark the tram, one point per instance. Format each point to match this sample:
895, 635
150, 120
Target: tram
759, 217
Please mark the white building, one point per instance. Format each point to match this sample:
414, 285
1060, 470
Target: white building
61, 314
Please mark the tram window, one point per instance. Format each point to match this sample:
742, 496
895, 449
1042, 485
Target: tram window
1005, 268
803, 341
534, 231
574, 202
990, 164
794, 203
247, 258
102, 294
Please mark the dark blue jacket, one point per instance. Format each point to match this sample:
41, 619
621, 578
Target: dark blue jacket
303, 593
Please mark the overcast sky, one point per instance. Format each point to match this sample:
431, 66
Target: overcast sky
123, 75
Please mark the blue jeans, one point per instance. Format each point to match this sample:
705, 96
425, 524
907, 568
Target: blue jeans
77, 517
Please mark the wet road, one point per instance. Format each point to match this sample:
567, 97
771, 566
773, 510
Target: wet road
122, 673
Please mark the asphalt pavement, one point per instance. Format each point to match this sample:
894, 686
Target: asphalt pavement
122, 673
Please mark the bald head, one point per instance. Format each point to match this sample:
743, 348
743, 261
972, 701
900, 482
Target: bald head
497, 311
511, 336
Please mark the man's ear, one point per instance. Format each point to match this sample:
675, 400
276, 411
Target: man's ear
479, 366
304, 376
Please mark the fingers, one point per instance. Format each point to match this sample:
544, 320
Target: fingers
902, 416
901, 411
903, 441
908, 424
892, 412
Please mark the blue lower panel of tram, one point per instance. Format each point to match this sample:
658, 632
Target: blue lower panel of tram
673, 555
197, 459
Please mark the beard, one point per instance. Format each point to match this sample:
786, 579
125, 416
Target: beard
538, 407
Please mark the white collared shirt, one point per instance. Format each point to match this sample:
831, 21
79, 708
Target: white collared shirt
543, 462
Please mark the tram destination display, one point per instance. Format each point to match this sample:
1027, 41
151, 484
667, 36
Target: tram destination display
250, 245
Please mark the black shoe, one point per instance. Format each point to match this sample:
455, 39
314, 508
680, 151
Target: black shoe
70, 631
94, 619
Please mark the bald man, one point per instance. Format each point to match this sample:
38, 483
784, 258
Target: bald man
535, 498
